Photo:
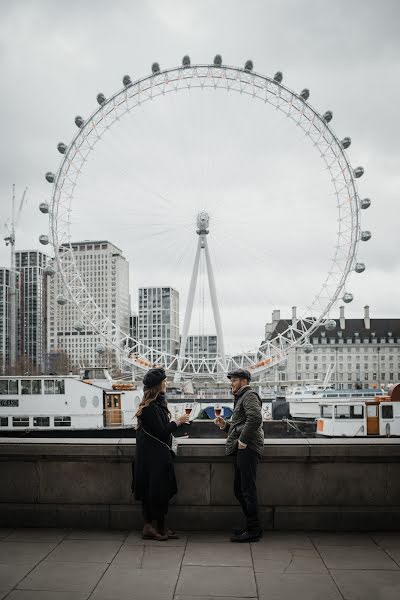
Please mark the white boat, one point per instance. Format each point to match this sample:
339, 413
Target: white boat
362, 418
304, 401
90, 401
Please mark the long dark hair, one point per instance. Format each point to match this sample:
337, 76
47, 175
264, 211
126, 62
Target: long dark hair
149, 396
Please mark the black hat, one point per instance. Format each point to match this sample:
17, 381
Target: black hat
240, 374
153, 377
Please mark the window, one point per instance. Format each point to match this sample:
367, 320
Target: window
62, 421
59, 386
21, 421
326, 411
9, 386
3, 421
349, 412
387, 412
41, 421
48, 386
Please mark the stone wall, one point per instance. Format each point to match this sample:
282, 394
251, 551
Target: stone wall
303, 484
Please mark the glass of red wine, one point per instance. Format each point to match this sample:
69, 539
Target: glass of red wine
188, 408
218, 410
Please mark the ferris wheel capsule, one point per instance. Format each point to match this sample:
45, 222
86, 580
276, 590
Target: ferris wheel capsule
327, 116
365, 236
62, 148
49, 270
217, 60
44, 208
155, 67
44, 239
347, 297
345, 143
186, 61
79, 122
330, 324
50, 177
61, 300
278, 76
359, 268
358, 172
79, 327
126, 80
281, 366
100, 348
308, 348
365, 203
305, 94
101, 99
248, 65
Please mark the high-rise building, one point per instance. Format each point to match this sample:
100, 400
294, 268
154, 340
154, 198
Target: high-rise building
30, 265
133, 326
105, 273
361, 352
203, 350
5, 318
158, 325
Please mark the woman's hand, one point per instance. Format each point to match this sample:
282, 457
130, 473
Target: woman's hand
182, 420
220, 422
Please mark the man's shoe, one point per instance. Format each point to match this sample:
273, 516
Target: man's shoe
238, 531
246, 536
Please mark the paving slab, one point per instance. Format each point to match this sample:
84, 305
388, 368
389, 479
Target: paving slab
135, 539
368, 585
356, 557
209, 537
217, 581
285, 540
63, 577
89, 551
43, 595
20, 553
81, 534
221, 555
33, 534
180, 597
387, 539
342, 539
286, 561
10, 575
163, 558
129, 557
141, 584
296, 586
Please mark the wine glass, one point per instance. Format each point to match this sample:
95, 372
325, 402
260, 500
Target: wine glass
188, 408
217, 410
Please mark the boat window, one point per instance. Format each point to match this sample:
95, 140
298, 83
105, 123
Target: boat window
41, 421
357, 412
326, 411
387, 412
3, 421
372, 410
31, 386
48, 386
62, 421
20, 421
9, 386
342, 412
59, 386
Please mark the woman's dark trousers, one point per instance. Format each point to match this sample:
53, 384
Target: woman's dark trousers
245, 488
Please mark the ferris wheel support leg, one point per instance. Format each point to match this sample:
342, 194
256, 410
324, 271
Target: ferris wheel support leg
188, 312
214, 303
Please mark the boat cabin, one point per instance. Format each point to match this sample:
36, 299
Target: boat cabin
378, 417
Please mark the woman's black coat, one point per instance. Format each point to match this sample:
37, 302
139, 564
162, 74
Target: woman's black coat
154, 476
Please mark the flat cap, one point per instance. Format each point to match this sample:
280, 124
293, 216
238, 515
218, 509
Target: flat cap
153, 377
240, 374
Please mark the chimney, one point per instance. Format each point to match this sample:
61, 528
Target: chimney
276, 315
367, 320
294, 316
342, 319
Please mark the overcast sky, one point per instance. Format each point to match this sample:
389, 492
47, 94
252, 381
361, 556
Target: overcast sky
273, 216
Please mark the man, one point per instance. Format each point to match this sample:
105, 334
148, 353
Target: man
246, 443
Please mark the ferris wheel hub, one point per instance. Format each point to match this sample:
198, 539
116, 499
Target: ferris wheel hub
203, 223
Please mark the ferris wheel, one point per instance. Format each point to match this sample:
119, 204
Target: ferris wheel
268, 90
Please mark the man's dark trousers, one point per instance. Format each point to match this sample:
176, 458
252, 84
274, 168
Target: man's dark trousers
245, 488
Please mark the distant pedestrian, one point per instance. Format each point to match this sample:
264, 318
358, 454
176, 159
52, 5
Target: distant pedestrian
245, 442
154, 475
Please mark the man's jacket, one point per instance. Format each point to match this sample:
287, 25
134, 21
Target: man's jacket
246, 422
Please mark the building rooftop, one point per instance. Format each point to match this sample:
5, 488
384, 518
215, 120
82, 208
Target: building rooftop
49, 564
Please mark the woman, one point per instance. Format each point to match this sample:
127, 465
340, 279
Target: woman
154, 475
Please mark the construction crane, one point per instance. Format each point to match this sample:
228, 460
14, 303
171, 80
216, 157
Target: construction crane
10, 241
